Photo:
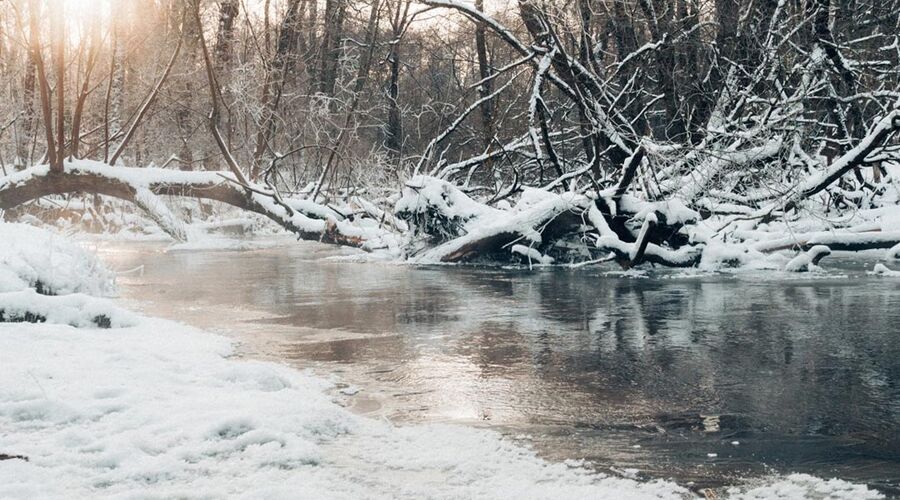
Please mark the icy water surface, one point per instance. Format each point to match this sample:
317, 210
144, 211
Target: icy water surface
704, 379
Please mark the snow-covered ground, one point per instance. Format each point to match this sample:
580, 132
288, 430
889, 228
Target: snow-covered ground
155, 409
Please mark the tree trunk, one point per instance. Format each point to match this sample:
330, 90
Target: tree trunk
23, 144
330, 53
228, 13
487, 86
43, 84
394, 132
59, 62
284, 57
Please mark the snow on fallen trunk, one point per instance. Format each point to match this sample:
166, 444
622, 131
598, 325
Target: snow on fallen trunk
836, 240
436, 208
883, 270
695, 183
308, 220
877, 135
809, 260
536, 225
894, 252
531, 255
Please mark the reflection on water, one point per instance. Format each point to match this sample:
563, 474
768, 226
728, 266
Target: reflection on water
655, 374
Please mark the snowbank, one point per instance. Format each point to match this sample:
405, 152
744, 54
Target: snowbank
76, 309
38, 258
44, 278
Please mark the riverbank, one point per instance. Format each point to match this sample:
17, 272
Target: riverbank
156, 409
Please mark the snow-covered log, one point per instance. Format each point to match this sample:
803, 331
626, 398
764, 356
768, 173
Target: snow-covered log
836, 241
882, 270
437, 209
464, 229
308, 220
807, 261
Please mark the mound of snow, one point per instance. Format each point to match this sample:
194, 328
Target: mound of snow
39, 258
796, 486
883, 270
45, 278
75, 309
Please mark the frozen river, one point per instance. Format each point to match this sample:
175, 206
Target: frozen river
704, 379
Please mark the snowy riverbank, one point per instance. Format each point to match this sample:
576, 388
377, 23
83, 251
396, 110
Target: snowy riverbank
155, 409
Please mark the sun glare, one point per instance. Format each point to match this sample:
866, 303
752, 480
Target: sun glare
84, 8
79, 14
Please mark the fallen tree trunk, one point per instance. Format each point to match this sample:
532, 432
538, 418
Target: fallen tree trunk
457, 228
883, 129
309, 221
836, 241
539, 228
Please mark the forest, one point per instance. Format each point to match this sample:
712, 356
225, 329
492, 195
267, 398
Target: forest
450, 249
672, 132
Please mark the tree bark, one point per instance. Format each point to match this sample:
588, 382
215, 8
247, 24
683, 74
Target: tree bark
486, 87
330, 52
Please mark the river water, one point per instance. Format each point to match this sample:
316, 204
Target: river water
706, 379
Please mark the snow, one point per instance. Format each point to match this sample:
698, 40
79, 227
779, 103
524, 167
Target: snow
803, 486
522, 223
154, 409
531, 254
894, 252
673, 211
883, 270
806, 261
75, 309
717, 256
29, 256
424, 194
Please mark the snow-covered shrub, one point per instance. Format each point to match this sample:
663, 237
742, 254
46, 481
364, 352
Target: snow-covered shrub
49, 263
439, 209
45, 278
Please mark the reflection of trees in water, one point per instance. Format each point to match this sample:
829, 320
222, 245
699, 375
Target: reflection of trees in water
796, 357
